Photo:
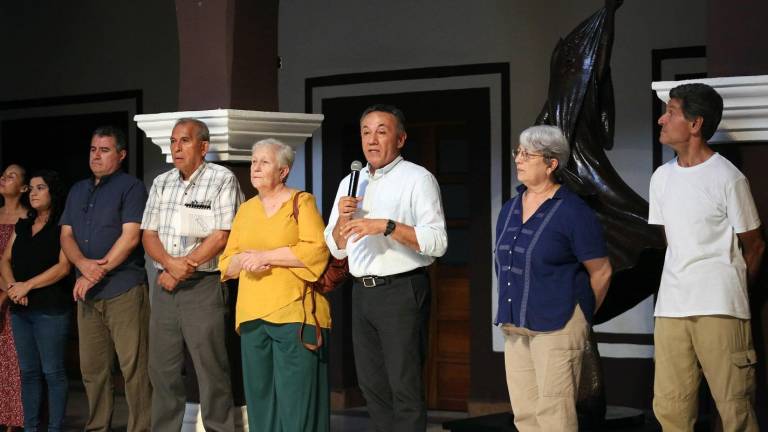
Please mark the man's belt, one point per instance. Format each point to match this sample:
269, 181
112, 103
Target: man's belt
197, 273
374, 281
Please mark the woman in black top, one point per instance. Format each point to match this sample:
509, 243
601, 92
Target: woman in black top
34, 267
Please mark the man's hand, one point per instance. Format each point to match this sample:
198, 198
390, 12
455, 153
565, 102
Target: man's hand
348, 207
168, 282
82, 285
179, 267
92, 269
358, 228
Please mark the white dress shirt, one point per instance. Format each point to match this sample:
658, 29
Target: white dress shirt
403, 192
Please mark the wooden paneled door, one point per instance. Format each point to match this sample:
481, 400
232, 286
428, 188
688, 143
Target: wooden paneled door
444, 150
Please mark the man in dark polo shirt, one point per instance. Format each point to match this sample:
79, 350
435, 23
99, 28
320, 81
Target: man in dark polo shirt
100, 234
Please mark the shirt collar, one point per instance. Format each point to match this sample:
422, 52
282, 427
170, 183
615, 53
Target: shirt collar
195, 173
103, 180
560, 193
385, 169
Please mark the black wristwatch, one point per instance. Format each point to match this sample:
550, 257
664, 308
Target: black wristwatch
391, 225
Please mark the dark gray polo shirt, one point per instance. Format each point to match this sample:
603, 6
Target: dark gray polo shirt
96, 214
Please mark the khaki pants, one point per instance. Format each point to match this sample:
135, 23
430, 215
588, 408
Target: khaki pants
721, 347
543, 370
119, 324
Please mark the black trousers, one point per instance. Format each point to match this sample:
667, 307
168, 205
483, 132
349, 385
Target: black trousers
389, 332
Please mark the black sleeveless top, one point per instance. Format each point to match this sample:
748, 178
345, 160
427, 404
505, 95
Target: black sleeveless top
34, 254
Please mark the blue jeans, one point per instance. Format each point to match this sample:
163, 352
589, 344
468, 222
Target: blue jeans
40, 343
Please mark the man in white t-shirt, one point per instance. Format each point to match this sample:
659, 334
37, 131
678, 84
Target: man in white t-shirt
714, 250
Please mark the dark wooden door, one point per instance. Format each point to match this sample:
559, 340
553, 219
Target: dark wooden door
444, 150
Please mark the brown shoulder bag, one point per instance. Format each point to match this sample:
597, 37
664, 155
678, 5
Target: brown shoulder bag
335, 273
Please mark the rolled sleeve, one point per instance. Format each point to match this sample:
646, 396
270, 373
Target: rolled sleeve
332, 220
430, 220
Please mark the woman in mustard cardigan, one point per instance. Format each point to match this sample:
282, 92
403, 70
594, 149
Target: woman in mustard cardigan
286, 385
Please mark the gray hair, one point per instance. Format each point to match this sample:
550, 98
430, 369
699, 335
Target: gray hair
203, 134
549, 141
284, 153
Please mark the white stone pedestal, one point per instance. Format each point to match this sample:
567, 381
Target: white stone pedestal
233, 132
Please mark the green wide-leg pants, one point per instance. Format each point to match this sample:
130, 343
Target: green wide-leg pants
286, 385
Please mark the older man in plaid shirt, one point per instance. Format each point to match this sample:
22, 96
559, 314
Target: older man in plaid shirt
186, 224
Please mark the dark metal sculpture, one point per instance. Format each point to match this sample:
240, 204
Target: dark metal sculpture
580, 102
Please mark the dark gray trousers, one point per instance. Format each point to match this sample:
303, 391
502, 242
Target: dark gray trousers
193, 314
389, 333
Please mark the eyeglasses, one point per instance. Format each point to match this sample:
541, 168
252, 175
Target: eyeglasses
524, 155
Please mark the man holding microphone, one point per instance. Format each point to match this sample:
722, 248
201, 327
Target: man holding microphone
390, 234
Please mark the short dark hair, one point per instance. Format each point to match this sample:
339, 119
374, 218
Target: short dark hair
700, 100
389, 109
114, 132
57, 190
203, 134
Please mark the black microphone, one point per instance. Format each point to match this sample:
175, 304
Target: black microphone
354, 176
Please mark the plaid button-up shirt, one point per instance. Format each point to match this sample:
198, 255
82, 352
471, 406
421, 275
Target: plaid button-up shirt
210, 185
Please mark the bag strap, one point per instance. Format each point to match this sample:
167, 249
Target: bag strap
318, 333
296, 206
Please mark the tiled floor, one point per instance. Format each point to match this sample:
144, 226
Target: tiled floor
354, 420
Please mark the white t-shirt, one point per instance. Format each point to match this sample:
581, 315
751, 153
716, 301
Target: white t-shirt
702, 209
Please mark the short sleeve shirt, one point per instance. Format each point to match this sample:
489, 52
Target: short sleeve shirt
702, 208
539, 263
96, 213
211, 186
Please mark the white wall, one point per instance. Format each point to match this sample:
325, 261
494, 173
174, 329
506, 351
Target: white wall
321, 38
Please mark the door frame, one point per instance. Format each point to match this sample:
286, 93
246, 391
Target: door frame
129, 102
486, 342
